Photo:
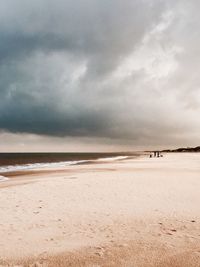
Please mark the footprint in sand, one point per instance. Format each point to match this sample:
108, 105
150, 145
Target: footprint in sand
169, 233
36, 212
100, 251
173, 230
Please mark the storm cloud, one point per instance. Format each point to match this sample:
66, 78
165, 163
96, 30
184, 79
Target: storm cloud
119, 69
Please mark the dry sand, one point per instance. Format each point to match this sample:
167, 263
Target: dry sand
137, 213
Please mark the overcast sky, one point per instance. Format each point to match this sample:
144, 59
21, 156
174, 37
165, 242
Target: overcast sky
99, 74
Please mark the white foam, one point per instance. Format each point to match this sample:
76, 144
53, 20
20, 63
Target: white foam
12, 168
3, 179
113, 158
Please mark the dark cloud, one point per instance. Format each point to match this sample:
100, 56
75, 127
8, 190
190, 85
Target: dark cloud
115, 69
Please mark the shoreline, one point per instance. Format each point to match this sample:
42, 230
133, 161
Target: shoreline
117, 213
45, 167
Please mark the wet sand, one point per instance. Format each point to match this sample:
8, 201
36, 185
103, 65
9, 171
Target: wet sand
136, 212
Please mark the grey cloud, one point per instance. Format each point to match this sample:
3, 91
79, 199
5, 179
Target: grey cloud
63, 69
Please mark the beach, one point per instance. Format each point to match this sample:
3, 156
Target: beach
134, 212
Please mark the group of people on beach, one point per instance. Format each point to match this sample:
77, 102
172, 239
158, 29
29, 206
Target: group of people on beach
156, 154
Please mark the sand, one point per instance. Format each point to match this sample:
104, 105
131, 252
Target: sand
135, 212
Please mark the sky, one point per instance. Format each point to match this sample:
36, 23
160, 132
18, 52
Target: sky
99, 75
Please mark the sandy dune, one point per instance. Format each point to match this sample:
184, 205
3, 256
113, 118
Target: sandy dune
136, 212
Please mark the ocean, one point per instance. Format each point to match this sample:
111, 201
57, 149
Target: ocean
11, 162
